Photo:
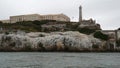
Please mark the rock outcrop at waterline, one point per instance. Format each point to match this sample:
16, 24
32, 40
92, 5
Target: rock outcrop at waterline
39, 41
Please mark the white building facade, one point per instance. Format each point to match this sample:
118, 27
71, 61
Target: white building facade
5, 21
33, 17
30, 17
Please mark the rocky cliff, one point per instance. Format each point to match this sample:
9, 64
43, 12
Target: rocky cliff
54, 41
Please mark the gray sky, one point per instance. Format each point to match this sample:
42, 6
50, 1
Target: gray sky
105, 12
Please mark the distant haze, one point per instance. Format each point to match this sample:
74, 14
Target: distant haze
105, 12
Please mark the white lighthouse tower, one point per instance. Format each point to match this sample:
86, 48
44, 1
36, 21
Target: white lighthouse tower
80, 14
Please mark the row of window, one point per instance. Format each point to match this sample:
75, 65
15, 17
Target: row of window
25, 18
62, 18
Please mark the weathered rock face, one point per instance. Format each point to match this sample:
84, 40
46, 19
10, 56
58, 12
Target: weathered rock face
48, 41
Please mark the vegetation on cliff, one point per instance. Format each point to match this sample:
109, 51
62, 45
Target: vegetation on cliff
118, 28
27, 26
118, 42
86, 30
35, 26
101, 36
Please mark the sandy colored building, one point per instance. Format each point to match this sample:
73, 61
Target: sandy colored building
30, 17
33, 17
90, 23
5, 21
57, 17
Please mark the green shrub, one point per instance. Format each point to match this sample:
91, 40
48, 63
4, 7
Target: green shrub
41, 35
100, 35
6, 33
118, 28
118, 42
1, 22
86, 30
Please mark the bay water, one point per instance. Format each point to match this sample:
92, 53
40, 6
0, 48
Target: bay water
59, 60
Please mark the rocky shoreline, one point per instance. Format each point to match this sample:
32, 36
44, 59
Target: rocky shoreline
70, 41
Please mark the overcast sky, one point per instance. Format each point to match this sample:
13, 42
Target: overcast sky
105, 12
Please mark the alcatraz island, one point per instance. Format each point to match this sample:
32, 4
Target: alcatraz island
55, 32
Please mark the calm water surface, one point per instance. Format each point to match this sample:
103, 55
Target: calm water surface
59, 60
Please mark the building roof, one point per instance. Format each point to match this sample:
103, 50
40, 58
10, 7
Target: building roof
24, 15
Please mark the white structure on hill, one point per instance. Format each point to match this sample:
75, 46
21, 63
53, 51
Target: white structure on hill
80, 14
87, 23
33, 17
